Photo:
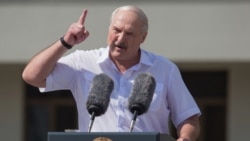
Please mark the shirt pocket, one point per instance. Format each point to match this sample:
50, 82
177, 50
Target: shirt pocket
157, 98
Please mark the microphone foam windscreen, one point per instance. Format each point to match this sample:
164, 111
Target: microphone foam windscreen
99, 96
142, 93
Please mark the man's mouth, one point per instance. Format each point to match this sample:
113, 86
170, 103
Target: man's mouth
121, 46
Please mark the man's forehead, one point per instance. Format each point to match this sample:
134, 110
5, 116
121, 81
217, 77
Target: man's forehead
126, 19
119, 24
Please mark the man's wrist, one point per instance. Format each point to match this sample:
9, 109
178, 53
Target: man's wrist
65, 44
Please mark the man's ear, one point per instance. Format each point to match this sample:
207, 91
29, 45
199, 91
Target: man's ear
144, 37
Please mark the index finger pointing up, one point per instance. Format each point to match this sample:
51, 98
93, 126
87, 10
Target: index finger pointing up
83, 17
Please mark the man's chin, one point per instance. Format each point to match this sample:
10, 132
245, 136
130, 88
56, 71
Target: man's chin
116, 55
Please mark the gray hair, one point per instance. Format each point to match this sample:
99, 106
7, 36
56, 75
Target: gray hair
138, 11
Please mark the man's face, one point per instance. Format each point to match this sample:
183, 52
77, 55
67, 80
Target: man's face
125, 36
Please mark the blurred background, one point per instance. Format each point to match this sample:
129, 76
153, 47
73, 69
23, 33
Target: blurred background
207, 39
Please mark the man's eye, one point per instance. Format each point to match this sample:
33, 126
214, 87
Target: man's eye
131, 34
116, 30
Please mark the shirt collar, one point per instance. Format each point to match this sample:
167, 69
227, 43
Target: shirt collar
104, 56
144, 59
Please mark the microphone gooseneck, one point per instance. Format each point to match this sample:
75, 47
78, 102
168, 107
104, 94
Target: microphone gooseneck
92, 118
133, 121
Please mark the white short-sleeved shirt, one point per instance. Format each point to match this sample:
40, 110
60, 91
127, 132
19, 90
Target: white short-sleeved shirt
171, 98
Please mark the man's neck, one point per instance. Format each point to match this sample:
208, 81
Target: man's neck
123, 65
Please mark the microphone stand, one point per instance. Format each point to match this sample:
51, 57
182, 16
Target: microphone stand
91, 121
133, 121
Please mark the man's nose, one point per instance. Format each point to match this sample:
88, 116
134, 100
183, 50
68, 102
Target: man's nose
121, 37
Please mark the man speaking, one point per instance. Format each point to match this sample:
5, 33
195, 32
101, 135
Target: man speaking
123, 59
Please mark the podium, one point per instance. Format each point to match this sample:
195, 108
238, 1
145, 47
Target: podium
108, 136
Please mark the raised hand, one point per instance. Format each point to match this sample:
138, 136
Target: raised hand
77, 32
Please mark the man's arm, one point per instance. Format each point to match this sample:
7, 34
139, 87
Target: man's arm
41, 65
189, 130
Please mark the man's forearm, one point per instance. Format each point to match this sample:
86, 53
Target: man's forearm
189, 130
41, 65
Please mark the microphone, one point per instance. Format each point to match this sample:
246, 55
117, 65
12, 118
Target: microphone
99, 96
141, 95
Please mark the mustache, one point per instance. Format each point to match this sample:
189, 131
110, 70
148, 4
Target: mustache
123, 46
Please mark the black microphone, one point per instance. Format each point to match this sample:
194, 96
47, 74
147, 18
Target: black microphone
141, 95
99, 96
